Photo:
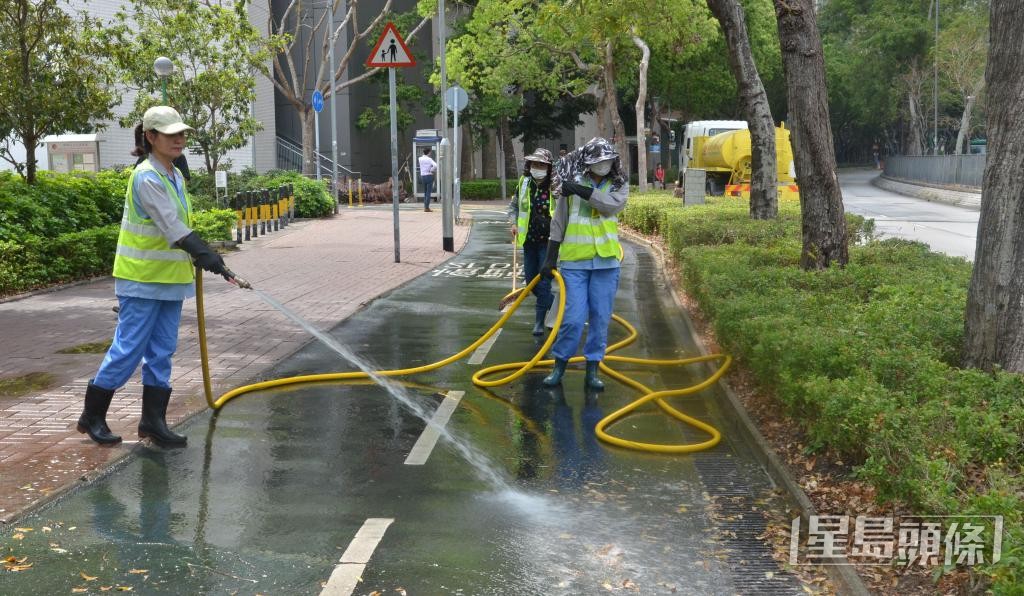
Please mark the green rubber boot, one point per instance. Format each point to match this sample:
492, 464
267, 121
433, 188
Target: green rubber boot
591, 380
555, 378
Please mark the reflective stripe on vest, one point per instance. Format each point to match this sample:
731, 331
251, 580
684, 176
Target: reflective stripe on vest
589, 234
143, 253
523, 221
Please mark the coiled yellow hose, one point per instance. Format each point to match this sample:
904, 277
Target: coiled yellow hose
480, 378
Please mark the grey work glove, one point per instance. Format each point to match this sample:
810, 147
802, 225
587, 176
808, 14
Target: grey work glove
203, 255
550, 259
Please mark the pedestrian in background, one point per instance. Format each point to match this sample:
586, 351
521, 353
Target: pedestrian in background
659, 177
428, 169
153, 275
530, 213
585, 243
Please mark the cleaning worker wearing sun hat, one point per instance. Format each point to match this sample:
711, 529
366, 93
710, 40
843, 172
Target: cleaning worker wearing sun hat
585, 241
530, 213
153, 274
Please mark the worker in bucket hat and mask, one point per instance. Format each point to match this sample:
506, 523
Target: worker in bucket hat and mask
584, 243
530, 213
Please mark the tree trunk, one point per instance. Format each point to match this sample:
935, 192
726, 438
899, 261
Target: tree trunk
915, 146
511, 169
994, 318
308, 142
466, 155
31, 163
489, 156
612, 104
965, 126
764, 190
641, 124
821, 200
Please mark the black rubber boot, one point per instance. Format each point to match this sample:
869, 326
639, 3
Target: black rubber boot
93, 420
557, 371
591, 380
538, 325
154, 418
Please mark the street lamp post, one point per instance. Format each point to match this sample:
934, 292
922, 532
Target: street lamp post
163, 67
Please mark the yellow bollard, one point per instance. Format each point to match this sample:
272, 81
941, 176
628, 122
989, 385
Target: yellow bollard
349, 182
360, 191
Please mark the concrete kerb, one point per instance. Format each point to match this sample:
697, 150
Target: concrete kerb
939, 194
840, 571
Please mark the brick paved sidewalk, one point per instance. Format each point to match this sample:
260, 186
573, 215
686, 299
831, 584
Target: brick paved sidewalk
322, 269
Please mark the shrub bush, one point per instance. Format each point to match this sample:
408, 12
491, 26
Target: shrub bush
485, 190
863, 357
215, 224
33, 261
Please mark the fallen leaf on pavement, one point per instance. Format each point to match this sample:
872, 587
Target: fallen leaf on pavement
87, 578
138, 571
79, 590
18, 536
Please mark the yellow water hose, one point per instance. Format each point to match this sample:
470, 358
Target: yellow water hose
480, 378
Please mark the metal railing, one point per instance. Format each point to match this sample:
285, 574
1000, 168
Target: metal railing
289, 157
941, 170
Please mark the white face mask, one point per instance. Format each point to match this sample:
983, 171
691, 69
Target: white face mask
539, 173
601, 168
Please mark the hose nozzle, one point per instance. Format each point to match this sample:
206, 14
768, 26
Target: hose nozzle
241, 282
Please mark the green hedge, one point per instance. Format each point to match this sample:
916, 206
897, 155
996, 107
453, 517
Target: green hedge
481, 190
215, 224
864, 357
33, 261
59, 203
312, 199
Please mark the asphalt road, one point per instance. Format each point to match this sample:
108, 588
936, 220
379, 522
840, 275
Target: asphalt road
332, 488
945, 228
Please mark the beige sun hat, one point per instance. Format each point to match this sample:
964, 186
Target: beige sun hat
164, 119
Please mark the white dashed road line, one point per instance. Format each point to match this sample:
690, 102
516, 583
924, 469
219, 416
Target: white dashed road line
425, 444
346, 574
481, 352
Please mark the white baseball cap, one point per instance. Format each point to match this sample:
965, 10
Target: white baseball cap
164, 119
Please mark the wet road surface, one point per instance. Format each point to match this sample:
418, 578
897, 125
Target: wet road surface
945, 228
272, 490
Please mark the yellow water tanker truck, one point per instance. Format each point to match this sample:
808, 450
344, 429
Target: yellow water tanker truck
726, 159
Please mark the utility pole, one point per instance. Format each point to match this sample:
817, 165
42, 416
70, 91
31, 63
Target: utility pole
935, 89
334, 113
442, 37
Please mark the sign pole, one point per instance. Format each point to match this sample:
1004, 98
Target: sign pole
334, 114
390, 52
456, 194
316, 125
394, 156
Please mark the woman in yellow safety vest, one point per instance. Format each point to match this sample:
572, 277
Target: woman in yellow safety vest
153, 274
585, 242
530, 211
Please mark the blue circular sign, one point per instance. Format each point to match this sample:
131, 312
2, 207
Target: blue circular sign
318, 101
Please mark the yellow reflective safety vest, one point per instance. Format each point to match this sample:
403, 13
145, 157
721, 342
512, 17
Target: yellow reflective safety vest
524, 195
143, 253
589, 234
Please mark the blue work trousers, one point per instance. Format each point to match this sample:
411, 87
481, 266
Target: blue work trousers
589, 298
147, 331
428, 187
533, 260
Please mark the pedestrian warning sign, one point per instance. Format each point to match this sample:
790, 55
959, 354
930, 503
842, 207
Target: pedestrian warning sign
390, 50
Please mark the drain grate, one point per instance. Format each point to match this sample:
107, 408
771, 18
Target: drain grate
739, 526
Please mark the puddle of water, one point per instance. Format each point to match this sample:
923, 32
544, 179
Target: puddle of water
483, 467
